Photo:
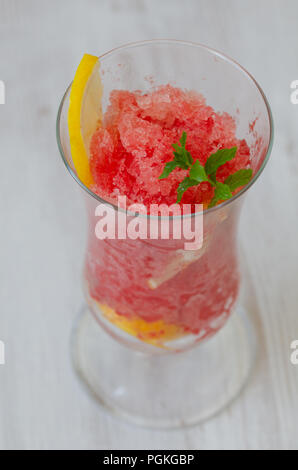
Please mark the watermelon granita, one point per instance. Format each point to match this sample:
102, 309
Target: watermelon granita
154, 289
129, 151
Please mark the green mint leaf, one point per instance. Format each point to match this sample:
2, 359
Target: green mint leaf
183, 139
218, 159
197, 172
189, 158
221, 193
238, 179
181, 161
182, 158
212, 178
169, 167
183, 186
177, 148
181, 154
212, 202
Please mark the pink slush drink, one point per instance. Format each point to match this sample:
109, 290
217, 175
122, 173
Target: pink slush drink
154, 289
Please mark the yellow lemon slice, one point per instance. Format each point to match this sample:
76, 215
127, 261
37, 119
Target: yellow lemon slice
155, 333
84, 114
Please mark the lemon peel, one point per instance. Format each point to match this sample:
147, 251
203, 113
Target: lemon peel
84, 114
155, 333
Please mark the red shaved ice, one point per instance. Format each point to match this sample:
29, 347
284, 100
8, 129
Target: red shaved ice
129, 151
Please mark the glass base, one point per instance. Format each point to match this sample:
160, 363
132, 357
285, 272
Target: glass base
169, 390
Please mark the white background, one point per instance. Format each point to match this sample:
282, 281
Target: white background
43, 222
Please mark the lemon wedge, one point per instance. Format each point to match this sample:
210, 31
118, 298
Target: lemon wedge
156, 333
84, 114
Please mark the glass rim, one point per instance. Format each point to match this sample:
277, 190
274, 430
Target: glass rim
185, 43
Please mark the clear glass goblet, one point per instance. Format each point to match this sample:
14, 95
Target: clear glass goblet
163, 340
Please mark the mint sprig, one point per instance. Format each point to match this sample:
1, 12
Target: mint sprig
182, 158
199, 173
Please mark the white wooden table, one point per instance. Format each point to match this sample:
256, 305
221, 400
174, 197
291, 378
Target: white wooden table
42, 405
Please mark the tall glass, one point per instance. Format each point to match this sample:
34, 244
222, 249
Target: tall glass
183, 345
